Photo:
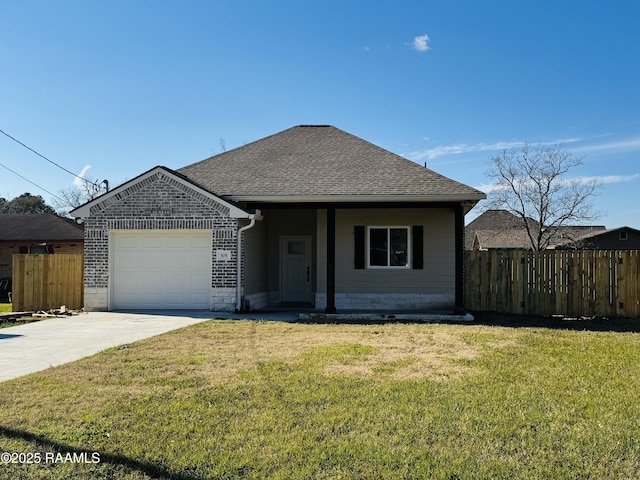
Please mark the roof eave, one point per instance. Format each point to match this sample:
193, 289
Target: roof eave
357, 198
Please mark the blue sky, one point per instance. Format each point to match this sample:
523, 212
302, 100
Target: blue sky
114, 88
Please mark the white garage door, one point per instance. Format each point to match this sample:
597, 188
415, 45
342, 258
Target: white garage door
161, 269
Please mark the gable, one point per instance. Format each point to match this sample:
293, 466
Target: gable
133, 196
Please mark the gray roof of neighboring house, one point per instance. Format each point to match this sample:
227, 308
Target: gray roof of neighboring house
39, 228
571, 234
502, 229
509, 238
321, 161
497, 229
584, 235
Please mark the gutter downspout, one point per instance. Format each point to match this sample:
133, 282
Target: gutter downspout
239, 259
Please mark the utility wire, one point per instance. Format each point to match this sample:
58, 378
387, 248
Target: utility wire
42, 156
32, 183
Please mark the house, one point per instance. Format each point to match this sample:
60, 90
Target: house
37, 233
311, 216
496, 229
622, 238
502, 229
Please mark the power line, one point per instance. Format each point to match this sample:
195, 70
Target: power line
42, 156
32, 183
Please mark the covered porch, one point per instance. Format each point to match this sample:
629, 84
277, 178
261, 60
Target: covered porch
324, 259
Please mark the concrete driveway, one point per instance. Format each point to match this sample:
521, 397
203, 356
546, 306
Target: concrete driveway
37, 346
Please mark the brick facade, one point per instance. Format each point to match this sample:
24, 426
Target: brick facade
159, 202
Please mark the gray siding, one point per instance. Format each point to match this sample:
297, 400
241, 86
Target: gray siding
255, 258
438, 275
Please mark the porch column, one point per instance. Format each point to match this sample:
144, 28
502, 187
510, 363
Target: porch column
459, 234
331, 261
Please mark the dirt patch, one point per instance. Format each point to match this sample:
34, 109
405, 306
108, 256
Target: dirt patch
221, 349
421, 353
219, 352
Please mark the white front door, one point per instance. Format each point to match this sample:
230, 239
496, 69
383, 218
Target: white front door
295, 270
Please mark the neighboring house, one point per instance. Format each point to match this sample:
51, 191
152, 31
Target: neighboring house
497, 229
623, 238
501, 229
37, 233
311, 216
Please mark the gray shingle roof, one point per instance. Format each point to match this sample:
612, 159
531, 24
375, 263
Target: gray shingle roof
311, 161
39, 228
502, 229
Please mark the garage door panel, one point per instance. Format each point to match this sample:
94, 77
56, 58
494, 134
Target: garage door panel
161, 269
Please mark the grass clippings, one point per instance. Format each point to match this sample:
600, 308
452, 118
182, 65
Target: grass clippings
242, 399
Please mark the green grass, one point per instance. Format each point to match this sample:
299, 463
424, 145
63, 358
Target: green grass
260, 400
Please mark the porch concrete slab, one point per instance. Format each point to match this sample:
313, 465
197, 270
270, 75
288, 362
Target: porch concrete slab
291, 314
47, 343
381, 317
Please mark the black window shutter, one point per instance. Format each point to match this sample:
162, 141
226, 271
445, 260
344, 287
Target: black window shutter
418, 248
359, 247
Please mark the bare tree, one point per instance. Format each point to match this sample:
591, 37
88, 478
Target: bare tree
83, 192
532, 184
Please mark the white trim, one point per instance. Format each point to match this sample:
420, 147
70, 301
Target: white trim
239, 262
234, 211
388, 228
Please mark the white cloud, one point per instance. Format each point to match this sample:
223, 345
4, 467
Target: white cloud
489, 187
459, 148
630, 144
602, 179
77, 181
421, 43
608, 178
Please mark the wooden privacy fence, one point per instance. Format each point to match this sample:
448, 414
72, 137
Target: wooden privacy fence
554, 282
44, 282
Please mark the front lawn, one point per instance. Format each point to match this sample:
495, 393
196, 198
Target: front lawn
240, 399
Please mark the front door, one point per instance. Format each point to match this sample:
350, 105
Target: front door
295, 270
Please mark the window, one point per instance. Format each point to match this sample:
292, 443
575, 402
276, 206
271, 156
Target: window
374, 252
36, 249
388, 247
623, 235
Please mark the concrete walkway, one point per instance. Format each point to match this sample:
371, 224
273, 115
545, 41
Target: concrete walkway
39, 345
